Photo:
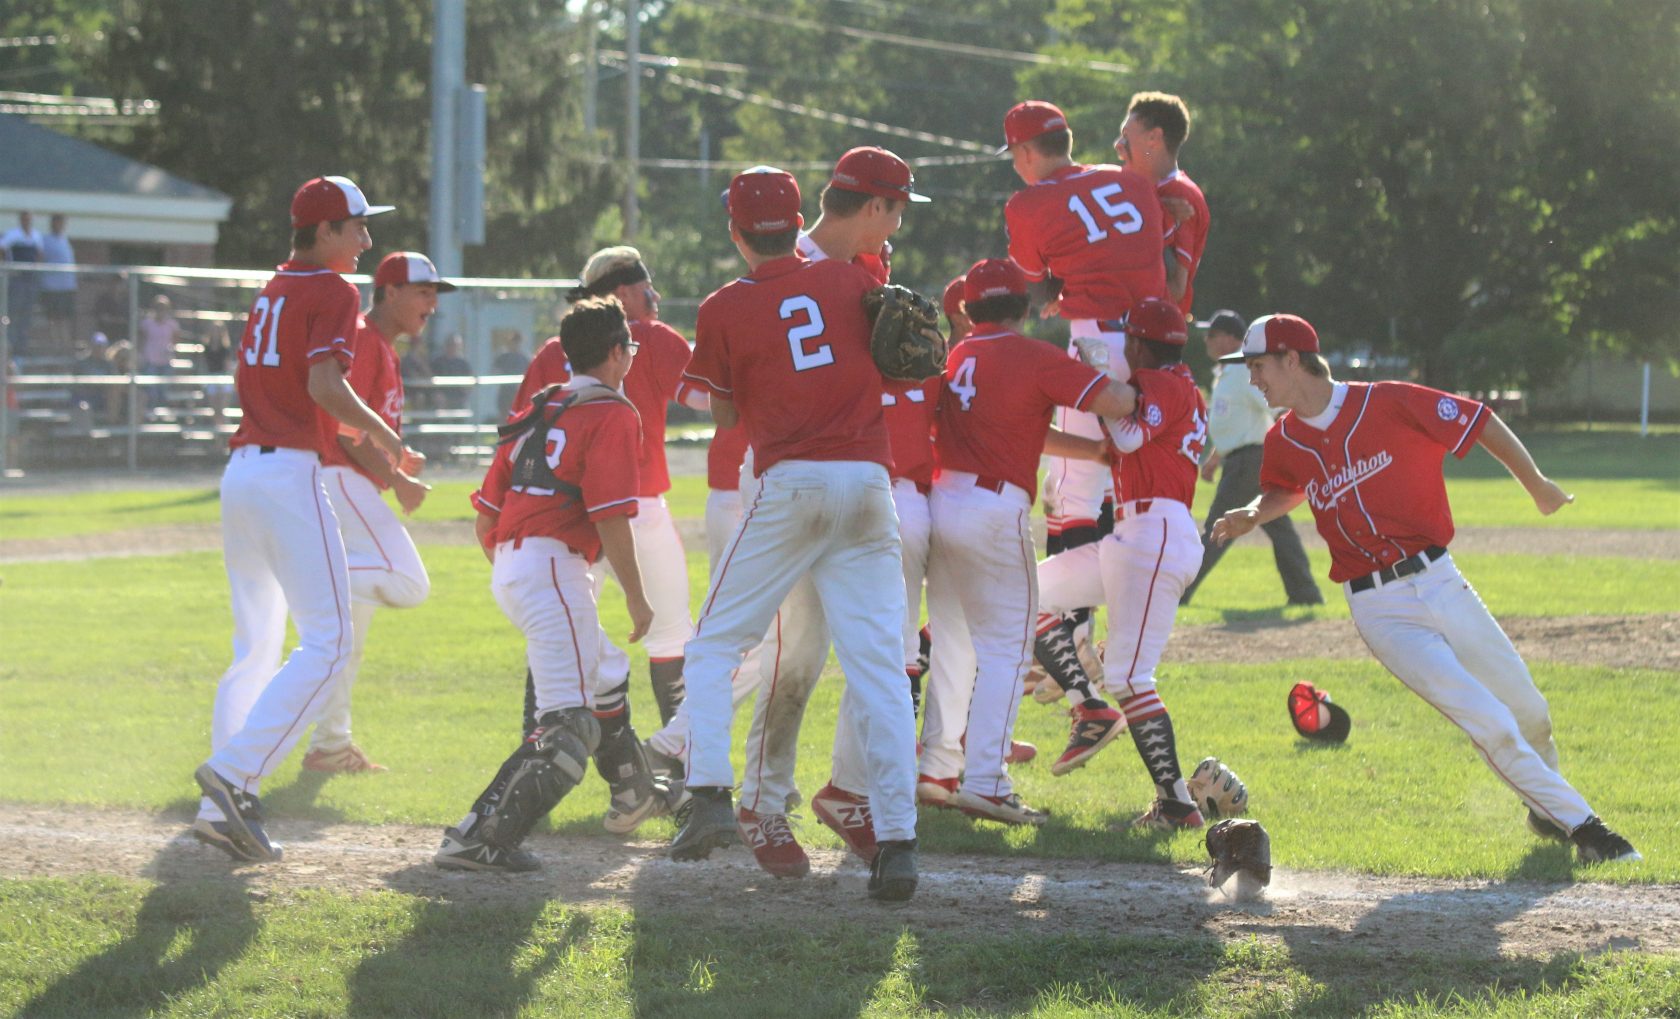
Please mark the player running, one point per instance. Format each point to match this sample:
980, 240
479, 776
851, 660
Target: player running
785, 351
1366, 457
385, 567
561, 490
280, 539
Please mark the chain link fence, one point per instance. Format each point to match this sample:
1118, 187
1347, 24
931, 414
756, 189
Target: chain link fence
132, 366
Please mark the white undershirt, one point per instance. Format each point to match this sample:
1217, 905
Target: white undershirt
1322, 419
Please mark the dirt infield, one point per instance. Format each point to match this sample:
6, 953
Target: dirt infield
967, 896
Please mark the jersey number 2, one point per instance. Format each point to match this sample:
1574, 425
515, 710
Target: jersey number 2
803, 358
1124, 217
264, 336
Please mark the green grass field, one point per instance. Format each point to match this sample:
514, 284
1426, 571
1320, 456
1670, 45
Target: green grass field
107, 669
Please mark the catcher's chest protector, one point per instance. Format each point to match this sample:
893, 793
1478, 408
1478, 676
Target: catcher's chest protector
531, 471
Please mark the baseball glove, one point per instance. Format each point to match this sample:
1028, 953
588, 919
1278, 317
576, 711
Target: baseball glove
1216, 789
906, 342
1239, 846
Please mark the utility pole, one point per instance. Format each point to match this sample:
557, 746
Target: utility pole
449, 71
591, 66
633, 115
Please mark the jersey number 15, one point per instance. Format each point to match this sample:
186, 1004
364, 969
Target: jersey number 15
1124, 217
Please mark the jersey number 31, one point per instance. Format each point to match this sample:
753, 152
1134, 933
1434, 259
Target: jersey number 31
263, 337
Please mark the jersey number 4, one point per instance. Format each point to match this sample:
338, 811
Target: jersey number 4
962, 383
262, 340
1124, 217
804, 358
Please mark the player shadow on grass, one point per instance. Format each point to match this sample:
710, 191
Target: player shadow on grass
476, 958
1407, 929
194, 922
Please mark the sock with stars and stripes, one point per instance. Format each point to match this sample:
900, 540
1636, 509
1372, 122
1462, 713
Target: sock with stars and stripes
1152, 733
1055, 651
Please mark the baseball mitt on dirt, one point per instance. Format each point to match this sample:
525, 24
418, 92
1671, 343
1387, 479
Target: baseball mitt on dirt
1216, 789
1242, 847
906, 342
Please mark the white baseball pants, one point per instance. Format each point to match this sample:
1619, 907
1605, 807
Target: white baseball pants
1074, 490
835, 521
1138, 573
549, 592
1434, 633
914, 527
664, 564
385, 569
982, 582
284, 554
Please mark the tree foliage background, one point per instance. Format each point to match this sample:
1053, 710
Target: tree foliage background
1483, 186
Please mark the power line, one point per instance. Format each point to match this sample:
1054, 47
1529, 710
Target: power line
899, 39
666, 60
816, 113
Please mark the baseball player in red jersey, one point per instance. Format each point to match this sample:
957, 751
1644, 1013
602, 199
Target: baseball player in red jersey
281, 541
1140, 570
1367, 458
385, 567
994, 417
1097, 232
561, 491
952, 304
862, 206
1155, 127
785, 351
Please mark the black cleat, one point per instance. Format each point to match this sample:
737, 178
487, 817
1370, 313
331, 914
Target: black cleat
892, 877
1596, 843
215, 833
243, 820
459, 852
710, 824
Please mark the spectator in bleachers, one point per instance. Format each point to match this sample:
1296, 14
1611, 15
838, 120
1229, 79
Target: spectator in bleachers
159, 332
22, 244
58, 289
452, 363
13, 405
121, 356
511, 359
91, 402
217, 347
416, 368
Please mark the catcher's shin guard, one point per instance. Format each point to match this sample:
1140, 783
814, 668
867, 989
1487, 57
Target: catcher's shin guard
621, 761
668, 687
1056, 654
547, 766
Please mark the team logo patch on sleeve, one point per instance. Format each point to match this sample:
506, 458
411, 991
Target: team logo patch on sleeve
1447, 408
1153, 415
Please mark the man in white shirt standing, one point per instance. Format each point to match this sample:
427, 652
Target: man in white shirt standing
58, 289
1237, 421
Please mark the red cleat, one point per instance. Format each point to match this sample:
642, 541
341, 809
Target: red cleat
848, 814
772, 843
934, 792
1093, 729
1020, 753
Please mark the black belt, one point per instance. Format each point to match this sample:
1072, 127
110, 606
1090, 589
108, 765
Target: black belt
267, 449
1111, 325
1404, 568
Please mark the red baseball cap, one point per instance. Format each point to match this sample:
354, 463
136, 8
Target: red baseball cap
1315, 717
330, 199
1271, 334
953, 299
1158, 320
993, 277
403, 267
1026, 121
874, 171
764, 200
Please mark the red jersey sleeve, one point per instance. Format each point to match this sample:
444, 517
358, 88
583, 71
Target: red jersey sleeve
1277, 462
1066, 381
550, 365
610, 482
1023, 246
331, 330
709, 367
493, 490
1454, 422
